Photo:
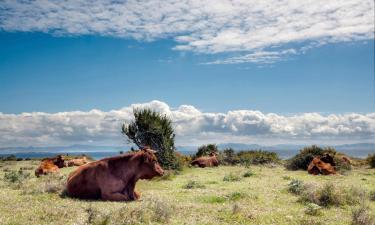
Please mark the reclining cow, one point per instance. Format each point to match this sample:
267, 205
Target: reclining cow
324, 165
206, 161
50, 165
76, 161
113, 178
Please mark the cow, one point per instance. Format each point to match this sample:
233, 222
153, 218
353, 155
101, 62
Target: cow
113, 178
322, 165
50, 165
206, 161
76, 162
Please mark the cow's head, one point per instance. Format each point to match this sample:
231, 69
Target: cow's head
149, 166
59, 161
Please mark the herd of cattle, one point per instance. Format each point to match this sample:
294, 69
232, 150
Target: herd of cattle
114, 178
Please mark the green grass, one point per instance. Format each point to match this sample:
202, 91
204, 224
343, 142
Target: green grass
260, 199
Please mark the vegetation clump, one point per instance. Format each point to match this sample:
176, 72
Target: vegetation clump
231, 177
248, 173
153, 129
371, 160
302, 160
16, 177
296, 186
193, 184
206, 150
313, 209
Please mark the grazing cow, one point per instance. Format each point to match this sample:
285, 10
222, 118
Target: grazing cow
49, 165
76, 162
322, 165
113, 178
206, 161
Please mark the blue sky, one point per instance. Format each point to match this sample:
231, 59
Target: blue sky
265, 72
41, 72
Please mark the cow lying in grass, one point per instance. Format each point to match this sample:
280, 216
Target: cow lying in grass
76, 162
113, 178
50, 165
206, 161
324, 165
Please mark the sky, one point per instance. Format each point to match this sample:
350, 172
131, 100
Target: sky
265, 72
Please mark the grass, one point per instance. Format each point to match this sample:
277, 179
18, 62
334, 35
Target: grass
261, 199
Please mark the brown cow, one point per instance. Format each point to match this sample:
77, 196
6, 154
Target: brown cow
113, 178
318, 166
76, 162
206, 161
49, 165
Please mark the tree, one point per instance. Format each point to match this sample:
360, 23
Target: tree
206, 149
152, 129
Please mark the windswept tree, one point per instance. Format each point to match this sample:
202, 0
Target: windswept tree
155, 130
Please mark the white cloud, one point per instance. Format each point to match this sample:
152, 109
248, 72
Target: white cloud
210, 26
192, 127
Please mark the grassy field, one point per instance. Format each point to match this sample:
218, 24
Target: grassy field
223, 195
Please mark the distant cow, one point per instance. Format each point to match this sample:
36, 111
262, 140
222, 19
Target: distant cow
76, 162
49, 165
113, 178
206, 161
322, 165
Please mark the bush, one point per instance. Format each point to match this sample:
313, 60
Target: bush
312, 209
235, 196
329, 196
361, 216
16, 177
295, 186
231, 177
229, 157
248, 174
372, 195
257, 157
302, 160
206, 150
193, 184
371, 160
213, 199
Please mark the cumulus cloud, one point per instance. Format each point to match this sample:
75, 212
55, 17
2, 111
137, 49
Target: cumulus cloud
253, 28
192, 126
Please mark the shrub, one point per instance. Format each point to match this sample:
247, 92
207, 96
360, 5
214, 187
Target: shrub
361, 216
329, 195
312, 209
213, 199
371, 160
257, 157
248, 174
235, 196
16, 177
193, 184
231, 177
206, 150
302, 160
229, 157
372, 195
296, 186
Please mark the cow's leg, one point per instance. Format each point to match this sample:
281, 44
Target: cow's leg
130, 190
116, 196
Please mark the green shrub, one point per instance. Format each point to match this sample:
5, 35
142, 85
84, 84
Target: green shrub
231, 177
213, 199
14, 176
372, 195
248, 174
329, 196
302, 160
206, 150
257, 157
235, 196
193, 184
296, 186
229, 157
312, 209
371, 160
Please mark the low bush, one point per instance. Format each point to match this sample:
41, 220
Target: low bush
302, 160
248, 174
231, 177
193, 184
235, 196
257, 157
313, 209
296, 186
16, 177
371, 160
206, 150
372, 195
361, 216
214, 199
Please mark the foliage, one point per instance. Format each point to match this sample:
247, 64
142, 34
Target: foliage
191, 184
231, 177
153, 129
206, 150
372, 195
361, 216
312, 209
257, 157
295, 186
302, 160
214, 199
248, 173
235, 196
371, 160
229, 157
16, 177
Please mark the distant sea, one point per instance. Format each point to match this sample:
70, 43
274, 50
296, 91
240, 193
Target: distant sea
283, 154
